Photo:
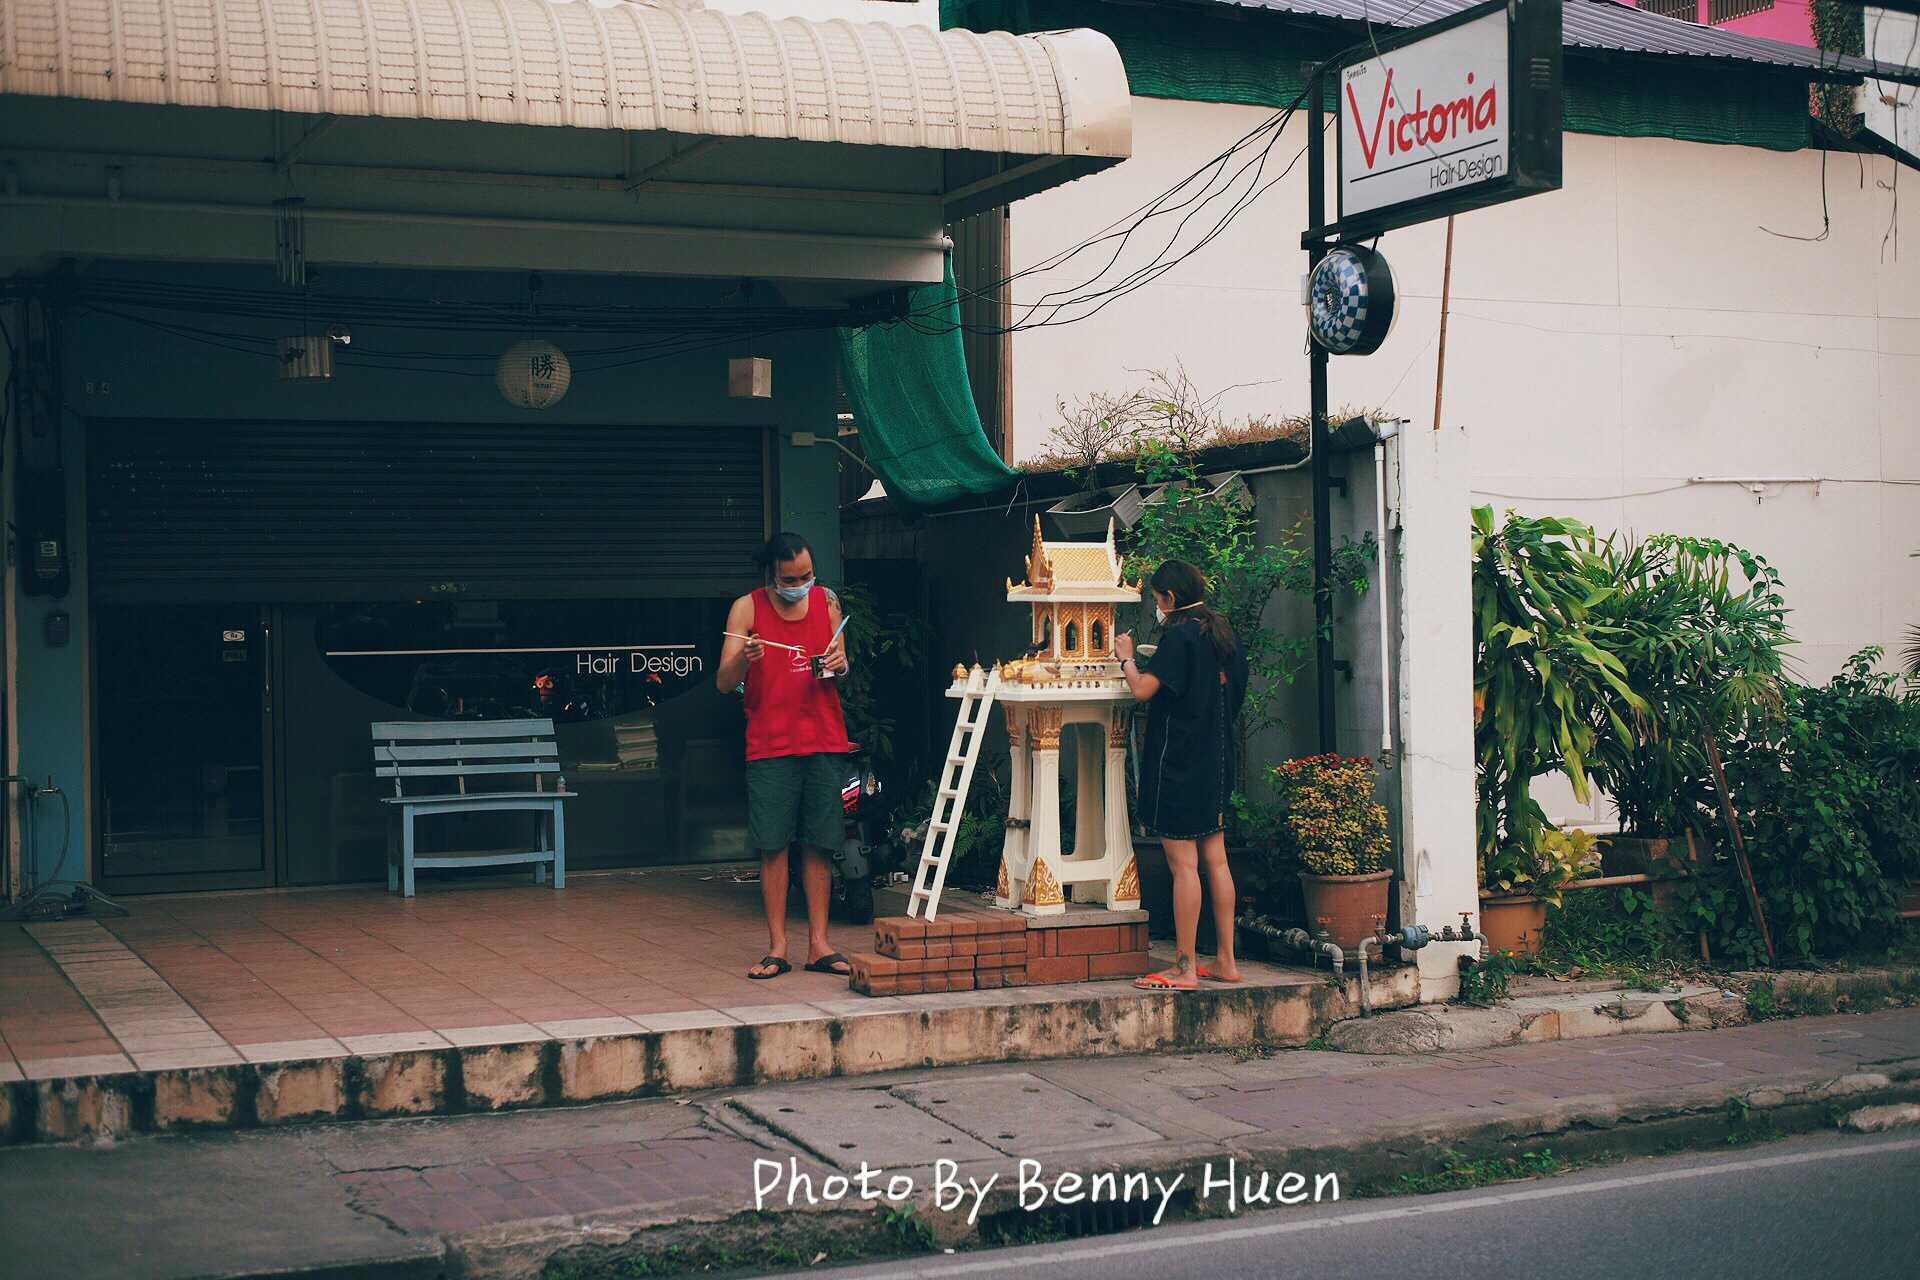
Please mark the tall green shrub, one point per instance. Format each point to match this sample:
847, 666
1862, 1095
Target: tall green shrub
1546, 688
1699, 627
1828, 794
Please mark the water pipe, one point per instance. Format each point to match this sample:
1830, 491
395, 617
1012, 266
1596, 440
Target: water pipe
1411, 938
1387, 431
1297, 939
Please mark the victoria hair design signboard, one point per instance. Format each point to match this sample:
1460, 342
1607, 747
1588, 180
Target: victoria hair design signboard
1454, 115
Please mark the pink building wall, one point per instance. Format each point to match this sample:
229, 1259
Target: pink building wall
1788, 21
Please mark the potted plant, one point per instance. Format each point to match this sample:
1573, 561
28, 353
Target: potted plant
1516, 891
1088, 434
1340, 834
1547, 689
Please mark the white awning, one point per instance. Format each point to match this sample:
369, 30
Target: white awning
636, 67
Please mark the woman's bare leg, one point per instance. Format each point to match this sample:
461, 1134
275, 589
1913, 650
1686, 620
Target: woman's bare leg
1213, 854
1183, 860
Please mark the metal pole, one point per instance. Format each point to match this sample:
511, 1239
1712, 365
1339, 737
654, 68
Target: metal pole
1322, 479
1446, 295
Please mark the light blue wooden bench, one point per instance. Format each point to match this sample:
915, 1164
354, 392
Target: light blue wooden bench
431, 764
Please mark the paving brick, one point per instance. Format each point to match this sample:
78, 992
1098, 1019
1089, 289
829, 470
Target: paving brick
1056, 969
900, 927
1087, 940
939, 949
901, 950
867, 966
1124, 964
961, 924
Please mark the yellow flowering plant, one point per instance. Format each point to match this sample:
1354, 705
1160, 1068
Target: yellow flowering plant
1338, 828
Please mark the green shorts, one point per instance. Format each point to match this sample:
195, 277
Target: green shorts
795, 798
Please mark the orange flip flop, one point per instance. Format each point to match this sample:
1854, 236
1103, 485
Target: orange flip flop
1154, 982
1210, 977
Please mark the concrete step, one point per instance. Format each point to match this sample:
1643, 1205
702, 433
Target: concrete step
1577, 1011
711, 1049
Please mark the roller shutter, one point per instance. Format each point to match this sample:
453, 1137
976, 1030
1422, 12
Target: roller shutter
288, 512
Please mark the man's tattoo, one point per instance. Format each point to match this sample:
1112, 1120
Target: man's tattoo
1183, 963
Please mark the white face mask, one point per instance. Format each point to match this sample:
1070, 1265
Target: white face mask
1159, 616
794, 595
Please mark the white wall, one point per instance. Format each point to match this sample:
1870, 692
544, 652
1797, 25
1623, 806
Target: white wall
1608, 343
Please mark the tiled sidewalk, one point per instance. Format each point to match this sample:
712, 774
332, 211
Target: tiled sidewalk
538, 1184
1303, 1096
221, 979
210, 979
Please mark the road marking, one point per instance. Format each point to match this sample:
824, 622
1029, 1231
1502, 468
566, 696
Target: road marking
1135, 1244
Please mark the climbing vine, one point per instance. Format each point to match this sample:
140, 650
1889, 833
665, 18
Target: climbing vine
1841, 28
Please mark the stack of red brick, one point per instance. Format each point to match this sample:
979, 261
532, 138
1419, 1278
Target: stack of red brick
959, 951
1086, 953
965, 950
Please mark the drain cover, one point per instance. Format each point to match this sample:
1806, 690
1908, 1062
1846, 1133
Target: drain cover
1022, 1114
845, 1126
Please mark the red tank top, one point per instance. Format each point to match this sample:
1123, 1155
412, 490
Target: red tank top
789, 713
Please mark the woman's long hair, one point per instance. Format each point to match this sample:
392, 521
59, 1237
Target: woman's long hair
1189, 591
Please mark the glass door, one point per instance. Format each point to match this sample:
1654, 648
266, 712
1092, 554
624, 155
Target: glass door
184, 698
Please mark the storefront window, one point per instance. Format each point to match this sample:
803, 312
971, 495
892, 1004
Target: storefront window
651, 748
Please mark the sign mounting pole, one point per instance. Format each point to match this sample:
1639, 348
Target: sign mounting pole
1320, 437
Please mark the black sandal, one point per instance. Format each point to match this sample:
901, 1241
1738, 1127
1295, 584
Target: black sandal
781, 961
825, 965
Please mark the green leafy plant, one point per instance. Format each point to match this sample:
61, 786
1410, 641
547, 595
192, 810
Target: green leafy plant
1828, 793
1546, 689
1699, 627
1485, 981
1558, 858
1338, 828
1613, 933
875, 639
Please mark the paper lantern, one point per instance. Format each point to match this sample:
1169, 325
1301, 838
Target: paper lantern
533, 374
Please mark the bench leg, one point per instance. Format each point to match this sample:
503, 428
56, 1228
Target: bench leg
406, 854
543, 825
393, 857
559, 828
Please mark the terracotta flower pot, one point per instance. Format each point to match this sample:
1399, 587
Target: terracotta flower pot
1347, 903
1513, 923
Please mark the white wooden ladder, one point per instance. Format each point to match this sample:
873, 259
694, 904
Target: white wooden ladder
950, 797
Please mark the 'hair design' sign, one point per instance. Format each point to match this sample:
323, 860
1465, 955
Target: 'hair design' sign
1451, 116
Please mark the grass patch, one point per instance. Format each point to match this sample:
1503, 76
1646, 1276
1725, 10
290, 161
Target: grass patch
1458, 1172
785, 1242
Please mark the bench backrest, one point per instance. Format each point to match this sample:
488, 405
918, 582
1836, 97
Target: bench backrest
438, 754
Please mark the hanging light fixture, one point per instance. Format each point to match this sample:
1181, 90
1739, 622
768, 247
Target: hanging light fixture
533, 373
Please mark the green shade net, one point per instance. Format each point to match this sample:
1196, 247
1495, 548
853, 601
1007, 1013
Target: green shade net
1192, 54
919, 428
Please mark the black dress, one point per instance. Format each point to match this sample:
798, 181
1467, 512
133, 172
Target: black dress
1186, 764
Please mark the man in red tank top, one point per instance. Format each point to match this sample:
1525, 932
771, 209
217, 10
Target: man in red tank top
796, 741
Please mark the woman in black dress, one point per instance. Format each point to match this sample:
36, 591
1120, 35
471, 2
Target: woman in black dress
1193, 687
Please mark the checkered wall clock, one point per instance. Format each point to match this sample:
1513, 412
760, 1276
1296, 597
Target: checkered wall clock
1350, 301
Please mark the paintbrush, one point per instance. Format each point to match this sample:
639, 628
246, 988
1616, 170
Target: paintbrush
771, 644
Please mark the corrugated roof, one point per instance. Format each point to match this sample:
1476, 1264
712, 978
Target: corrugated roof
652, 65
1602, 26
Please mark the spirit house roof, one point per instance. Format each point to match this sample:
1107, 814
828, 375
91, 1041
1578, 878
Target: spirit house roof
1073, 572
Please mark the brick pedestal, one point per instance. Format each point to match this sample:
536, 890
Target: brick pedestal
968, 950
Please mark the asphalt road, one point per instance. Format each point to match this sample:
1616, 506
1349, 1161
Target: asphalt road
1818, 1207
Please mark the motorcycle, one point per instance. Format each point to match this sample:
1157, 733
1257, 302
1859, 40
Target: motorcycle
868, 849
